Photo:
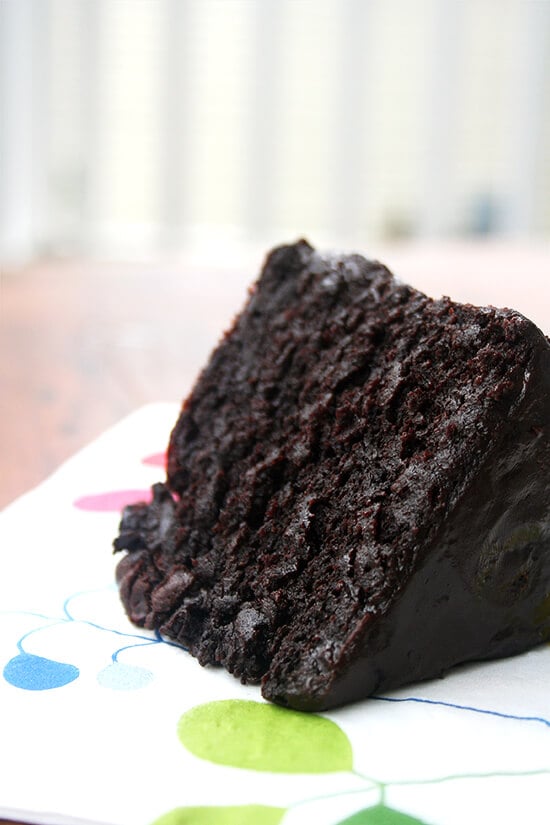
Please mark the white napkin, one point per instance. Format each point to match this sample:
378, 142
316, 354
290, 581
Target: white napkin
103, 723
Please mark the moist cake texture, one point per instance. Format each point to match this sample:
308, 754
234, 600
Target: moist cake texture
357, 492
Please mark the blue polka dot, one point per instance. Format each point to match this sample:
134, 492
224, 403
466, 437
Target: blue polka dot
31, 672
119, 676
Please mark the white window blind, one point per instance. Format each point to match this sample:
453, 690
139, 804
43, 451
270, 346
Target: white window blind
132, 127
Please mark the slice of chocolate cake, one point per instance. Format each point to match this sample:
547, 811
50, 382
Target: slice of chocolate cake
358, 489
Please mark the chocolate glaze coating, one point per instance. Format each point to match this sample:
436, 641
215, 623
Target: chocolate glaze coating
480, 589
358, 490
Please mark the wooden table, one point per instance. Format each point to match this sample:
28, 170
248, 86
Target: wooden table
82, 344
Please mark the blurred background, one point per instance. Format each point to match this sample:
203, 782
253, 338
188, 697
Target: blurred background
137, 127
152, 151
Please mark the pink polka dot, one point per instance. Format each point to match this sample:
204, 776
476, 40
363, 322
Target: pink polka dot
112, 501
155, 460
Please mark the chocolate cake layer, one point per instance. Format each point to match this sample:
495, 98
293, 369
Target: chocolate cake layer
358, 489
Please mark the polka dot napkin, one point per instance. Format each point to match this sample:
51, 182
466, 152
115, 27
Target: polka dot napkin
104, 723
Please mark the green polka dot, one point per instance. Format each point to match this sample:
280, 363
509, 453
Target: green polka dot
380, 815
234, 815
262, 737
